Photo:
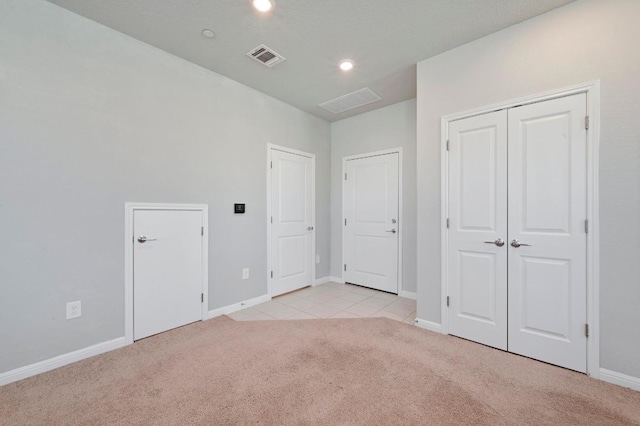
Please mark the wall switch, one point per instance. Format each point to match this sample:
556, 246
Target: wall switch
245, 274
74, 309
317, 258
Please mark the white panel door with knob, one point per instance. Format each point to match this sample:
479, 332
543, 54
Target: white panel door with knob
477, 258
547, 212
371, 221
168, 269
291, 221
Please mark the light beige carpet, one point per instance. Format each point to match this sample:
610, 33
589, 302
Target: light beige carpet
343, 371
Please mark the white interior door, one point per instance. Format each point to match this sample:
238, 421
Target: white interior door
292, 224
519, 176
371, 231
547, 213
477, 258
167, 270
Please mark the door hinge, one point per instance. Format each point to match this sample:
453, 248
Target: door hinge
271, 164
586, 122
202, 230
447, 223
345, 222
271, 219
447, 301
271, 274
586, 226
201, 297
447, 144
345, 266
345, 176
586, 330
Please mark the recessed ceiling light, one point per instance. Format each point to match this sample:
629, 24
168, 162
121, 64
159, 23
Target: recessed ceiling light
346, 65
208, 33
263, 5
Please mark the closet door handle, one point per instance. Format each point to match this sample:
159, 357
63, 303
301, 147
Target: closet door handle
143, 239
516, 244
497, 242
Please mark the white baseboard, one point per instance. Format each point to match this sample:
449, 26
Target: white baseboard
97, 349
338, 280
620, 379
320, 281
408, 294
429, 325
60, 361
237, 306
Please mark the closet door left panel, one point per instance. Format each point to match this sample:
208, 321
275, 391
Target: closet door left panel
477, 254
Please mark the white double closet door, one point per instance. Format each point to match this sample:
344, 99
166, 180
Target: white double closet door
517, 239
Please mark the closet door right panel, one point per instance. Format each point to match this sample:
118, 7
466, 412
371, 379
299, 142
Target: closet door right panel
546, 227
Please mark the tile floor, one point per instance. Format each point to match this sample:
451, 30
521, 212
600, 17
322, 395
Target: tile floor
331, 300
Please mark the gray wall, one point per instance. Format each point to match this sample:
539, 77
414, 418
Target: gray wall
584, 41
390, 127
90, 119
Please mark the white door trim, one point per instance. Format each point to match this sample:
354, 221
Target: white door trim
592, 89
400, 204
271, 147
129, 209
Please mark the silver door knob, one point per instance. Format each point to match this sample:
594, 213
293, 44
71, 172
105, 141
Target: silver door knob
497, 242
516, 244
143, 239
310, 228
393, 231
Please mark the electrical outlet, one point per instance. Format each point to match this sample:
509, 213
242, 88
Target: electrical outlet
74, 309
245, 274
317, 258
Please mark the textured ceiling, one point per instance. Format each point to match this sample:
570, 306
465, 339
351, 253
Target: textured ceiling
385, 38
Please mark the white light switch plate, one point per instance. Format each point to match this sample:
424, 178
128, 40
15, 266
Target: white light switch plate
245, 274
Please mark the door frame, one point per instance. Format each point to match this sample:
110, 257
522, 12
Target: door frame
129, 210
397, 150
592, 90
270, 148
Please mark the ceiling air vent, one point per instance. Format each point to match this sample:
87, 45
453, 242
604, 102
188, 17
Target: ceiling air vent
265, 55
350, 101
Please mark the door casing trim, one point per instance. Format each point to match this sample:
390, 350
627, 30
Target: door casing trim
592, 90
129, 209
270, 148
400, 204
